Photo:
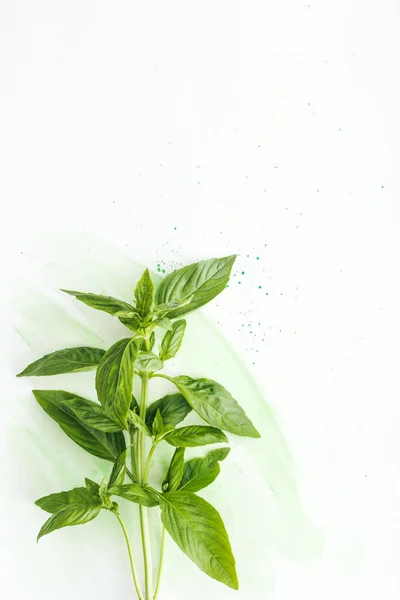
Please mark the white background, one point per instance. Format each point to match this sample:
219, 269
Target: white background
183, 130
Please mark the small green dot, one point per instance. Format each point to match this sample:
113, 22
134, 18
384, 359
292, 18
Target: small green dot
163, 270
159, 270
242, 272
258, 258
259, 287
239, 282
382, 186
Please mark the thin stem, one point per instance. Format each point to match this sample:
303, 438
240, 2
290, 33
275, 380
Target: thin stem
160, 564
132, 562
148, 461
144, 524
132, 437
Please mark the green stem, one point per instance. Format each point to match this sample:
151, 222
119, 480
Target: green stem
161, 563
144, 524
132, 562
148, 461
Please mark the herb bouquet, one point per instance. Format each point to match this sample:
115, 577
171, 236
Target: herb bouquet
127, 432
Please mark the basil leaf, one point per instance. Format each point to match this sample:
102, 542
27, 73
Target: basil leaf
117, 475
108, 304
215, 405
144, 293
175, 471
163, 309
200, 282
172, 340
114, 379
132, 321
173, 408
98, 443
147, 362
135, 493
103, 492
56, 502
164, 323
139, 423
92, 414
158, 423
198, 473
92, 486
195, 435
200, 533
69, 360
152, 340
73, 515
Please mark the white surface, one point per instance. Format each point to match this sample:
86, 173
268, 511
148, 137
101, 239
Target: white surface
240, 124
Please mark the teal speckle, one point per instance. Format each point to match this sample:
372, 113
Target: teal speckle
258, 258
259, 287
242, 272
163, 271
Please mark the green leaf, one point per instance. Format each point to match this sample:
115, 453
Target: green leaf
164, 323
131, 320
139, 423
195, 435
172, 340
152, 340
92, 486
215, 405
158, 424
103, 492
69, 360
56, 502
144, 293
108, 304
114, 379
147, 362
117, 475
198, 473
173, 408
73, 515
92, 414
168, 307
98, 443
175, 471
200, 282
200, 533
135, 493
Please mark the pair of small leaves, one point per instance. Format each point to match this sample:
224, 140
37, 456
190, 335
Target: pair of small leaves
60, 406
194, 474
76, 507
172, 409
179, 293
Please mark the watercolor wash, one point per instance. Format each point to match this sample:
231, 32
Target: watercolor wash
124, 429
